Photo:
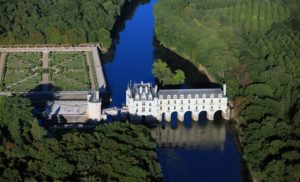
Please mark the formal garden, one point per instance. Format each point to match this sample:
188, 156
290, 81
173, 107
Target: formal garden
19, 72
72, 72
67, 71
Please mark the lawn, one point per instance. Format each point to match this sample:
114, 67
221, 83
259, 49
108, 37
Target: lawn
19, 72
72, 71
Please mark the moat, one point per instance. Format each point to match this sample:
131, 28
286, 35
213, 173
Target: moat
188, 151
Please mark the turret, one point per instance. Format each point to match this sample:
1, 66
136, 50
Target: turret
224, 89
94, 106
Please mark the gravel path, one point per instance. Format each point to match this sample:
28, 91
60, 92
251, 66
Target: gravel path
88, 60
45, 76
2, 64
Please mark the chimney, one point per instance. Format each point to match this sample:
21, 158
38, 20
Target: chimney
224, 89
146, 89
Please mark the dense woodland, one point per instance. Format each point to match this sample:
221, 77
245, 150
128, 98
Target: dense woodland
58, 22
254, 46
113, 152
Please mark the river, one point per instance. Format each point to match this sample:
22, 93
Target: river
194, 151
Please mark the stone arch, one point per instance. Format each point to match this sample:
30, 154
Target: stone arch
174, 119
188, 119
202, 117
218, 115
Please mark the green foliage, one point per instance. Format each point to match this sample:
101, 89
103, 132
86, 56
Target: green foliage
165, 76
119, 151
253, 45
72, 22
16, 122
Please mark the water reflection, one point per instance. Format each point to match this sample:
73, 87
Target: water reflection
208, 135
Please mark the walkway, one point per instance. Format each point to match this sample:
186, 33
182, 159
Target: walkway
2, 63
98, 68
45, 76
91, 75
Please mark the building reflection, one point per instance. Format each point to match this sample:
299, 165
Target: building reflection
209, 135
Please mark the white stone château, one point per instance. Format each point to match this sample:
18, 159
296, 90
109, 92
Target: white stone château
142, 99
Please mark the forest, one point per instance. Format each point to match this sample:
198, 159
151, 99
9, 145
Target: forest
112, 152
253, 46
58, 22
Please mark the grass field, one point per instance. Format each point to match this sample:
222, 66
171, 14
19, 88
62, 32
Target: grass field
72, 71
19, 74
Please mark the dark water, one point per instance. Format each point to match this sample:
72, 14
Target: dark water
195, 151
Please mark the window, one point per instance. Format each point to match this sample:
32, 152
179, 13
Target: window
196, 101
168, 102
189, 107
181, 101
160, 108
211, 107
219, 100
149, 110
137, 104
161, 97
149, 104
204, 95
174, 101
203, 101
189, 101
168, 97
203, 107
168, 108
196, 108
174, 107
211, 101
136, 110
211, 95
143, 109
189, 96
160, 102
143, 103
220, 95
182, 96
175, 96
196, 96
182, 108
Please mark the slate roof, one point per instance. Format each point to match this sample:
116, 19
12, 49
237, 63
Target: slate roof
135, 90
185, 92
94, 98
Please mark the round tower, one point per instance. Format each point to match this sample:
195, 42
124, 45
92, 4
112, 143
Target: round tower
94, 106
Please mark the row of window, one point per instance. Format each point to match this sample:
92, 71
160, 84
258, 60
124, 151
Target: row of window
143, 104
190, 96
143, 110
189, 101
181, 108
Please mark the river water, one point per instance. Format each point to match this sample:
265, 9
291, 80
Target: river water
194, 151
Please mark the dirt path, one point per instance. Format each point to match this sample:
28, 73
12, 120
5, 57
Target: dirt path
45, 76
2, 64
20, 81
88, 60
